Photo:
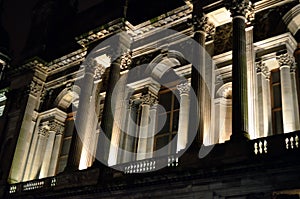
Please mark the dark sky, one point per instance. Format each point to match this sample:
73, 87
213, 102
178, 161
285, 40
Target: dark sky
17, 16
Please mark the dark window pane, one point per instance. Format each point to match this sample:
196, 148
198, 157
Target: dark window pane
278, 122
276, 96
165, 100
176, 100
161, 141
175, 120
275, 76
164, 126
66, 147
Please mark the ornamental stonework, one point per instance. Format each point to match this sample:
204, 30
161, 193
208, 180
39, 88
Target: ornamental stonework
285, 60
149, 99
238, 7
183, 88
262, 68
126, 60
35, 88
56, 127
201, 23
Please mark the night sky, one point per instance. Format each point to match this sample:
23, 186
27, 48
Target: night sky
16, 19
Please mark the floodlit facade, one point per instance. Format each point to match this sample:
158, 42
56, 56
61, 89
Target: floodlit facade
160, 99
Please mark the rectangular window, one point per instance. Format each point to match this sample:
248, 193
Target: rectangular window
276, 102
168, 128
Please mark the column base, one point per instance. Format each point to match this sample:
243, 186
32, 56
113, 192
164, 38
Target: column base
240, 136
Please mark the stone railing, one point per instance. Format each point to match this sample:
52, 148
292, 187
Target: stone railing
148, 165
276, 145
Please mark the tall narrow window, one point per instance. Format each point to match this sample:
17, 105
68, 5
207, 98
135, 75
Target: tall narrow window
168, 129
276, 102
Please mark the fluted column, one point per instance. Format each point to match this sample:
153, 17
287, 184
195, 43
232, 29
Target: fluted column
264, 108
151, 130
238, 10
147, 101
47, 154
39, 151
202, 30
131, 133
82, 115
295, 97
285, 61
251, 83
58, 129
182, 135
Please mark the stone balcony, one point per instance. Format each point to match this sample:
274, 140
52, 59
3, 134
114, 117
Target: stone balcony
278, 153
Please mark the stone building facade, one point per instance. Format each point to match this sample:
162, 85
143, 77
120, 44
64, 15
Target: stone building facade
166, 99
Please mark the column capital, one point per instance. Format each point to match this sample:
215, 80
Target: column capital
262, 68
201, 24
149, 99
35, 88
184, 88
56, 127
126, 60
90, 65
239, 7
285, 60
44, 129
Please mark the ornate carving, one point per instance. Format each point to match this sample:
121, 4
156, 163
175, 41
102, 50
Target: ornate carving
201, 23
239, 7
56, 127
262, 68
35, 88
99, 71
285, 60
44, 129
184, 88
126, 60
149, 99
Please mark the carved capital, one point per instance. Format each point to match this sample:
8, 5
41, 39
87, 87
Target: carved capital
285, 60
44, 129
149, 99
201, 23
56, 127
35, 88
126, 60
184, 88
99, 71
262, 68
90, 66
239, 7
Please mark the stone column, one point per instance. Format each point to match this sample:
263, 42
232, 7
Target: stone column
58, 129
40, 150
238, 10
47, 154
182, 135
264, 108
151, 130
251, 83
82, 115
26, 132
131, 133
295, 97
202, 29
147, 101
285, 61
